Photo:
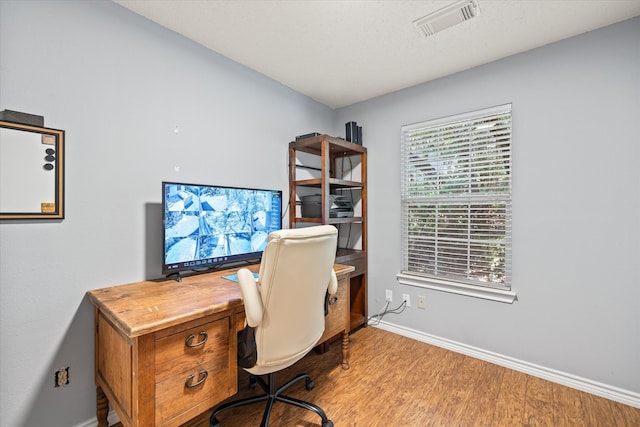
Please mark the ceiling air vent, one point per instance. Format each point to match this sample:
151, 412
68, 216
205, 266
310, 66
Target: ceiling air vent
446, 17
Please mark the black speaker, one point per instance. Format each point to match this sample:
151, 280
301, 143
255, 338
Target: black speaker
351, 131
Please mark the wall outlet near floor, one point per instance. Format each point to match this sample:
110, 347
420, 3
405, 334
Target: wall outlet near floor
62, 377
407, 299
388, 296
422, 303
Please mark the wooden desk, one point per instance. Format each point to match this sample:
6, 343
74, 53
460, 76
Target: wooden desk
166, 351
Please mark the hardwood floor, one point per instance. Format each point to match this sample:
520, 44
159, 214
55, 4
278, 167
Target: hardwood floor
396, 381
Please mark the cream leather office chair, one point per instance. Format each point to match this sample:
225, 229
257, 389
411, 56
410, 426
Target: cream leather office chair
286, 308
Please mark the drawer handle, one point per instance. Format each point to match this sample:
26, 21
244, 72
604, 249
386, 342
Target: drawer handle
333, 299
190, 338
202, 376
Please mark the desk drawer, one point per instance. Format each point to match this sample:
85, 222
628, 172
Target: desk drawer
195, 368
184, 350
194, 390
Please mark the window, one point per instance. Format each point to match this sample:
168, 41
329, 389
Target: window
456, 204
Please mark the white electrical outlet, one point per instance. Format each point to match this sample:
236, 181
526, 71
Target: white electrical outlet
422, 303
407, 298
388, 295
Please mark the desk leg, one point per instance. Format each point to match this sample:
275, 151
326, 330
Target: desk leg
345, 350
102, 408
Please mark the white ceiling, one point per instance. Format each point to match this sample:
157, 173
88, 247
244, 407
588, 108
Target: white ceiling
340, 52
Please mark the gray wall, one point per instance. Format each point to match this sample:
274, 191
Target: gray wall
576, 205
118, 84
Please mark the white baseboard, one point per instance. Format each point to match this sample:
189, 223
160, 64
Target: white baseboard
90, 423
112, 418
599, 389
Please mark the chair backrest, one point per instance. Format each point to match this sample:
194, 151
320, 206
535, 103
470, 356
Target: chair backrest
296, 268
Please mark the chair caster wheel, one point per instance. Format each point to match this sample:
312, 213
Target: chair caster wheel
213, 422
327, 423
309, 385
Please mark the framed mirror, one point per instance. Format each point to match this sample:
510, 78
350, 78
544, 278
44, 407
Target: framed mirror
31, 172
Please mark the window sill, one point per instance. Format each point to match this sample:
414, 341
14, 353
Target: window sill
492, 294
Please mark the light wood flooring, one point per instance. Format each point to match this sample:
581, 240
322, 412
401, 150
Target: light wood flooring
397, 381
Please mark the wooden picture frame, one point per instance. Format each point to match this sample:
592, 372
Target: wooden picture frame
31, 172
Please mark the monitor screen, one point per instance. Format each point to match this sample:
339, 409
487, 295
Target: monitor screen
209, 227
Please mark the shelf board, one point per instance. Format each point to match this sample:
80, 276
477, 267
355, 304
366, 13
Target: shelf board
307, 219
346, 220
337, 146
348, 253
333, 183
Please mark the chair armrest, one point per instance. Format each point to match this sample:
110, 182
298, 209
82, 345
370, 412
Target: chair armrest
251, 295
333, 283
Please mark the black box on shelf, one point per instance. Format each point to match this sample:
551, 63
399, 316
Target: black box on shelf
353, 132
305, 136
22, 118
339, 206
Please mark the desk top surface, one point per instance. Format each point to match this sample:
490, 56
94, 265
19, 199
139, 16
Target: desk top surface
144, 307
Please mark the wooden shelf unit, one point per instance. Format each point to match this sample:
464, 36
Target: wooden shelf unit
331, 151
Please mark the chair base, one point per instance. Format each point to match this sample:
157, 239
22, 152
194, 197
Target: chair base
272, 395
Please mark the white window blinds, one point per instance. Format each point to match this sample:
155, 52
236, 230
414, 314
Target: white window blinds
456, 198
